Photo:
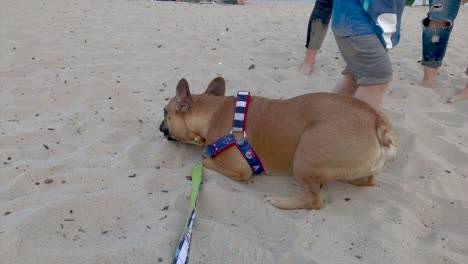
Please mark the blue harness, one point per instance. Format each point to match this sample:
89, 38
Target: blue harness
238, 125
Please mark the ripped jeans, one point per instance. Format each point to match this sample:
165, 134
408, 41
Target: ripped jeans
435, 40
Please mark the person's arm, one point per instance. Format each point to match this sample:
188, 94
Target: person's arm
318, 23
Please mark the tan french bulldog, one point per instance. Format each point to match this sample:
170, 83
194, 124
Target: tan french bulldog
317, 137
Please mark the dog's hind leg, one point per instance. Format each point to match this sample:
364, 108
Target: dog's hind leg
310, 198
363, 181
311, 169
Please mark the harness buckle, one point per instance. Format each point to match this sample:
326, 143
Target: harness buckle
244, 136
208, 152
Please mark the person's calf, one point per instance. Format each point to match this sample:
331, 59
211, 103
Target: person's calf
429, 77
434, 43
347, 85
372, 94
309, 61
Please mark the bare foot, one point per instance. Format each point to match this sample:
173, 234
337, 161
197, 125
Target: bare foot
461, 96
309, 61
429, 77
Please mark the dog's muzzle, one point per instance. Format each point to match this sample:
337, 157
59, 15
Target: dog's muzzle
166, 133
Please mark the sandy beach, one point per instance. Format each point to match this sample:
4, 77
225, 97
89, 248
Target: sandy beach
86, 176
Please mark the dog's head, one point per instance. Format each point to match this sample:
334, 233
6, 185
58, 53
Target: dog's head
181, 107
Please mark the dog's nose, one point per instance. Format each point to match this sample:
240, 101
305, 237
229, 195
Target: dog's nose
161, 127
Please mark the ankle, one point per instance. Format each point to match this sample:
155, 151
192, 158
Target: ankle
429, 77
310, 55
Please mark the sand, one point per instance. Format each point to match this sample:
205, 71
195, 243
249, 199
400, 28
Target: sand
86, 176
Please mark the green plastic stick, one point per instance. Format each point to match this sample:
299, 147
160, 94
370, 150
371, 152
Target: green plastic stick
197, 172
183, 250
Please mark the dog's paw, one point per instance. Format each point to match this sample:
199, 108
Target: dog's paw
293, 203
277, 202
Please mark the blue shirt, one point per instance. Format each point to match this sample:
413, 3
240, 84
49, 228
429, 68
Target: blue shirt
364, 17
350, 19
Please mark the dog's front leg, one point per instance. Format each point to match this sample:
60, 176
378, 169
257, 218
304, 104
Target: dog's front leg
233, 172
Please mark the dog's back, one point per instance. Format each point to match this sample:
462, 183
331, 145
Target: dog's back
344, 129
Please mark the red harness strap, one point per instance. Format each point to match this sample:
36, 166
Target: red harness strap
239, 123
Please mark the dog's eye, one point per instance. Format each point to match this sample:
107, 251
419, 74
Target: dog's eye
165, 111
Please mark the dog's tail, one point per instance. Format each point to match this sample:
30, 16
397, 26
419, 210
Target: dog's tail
387, 140
385, 133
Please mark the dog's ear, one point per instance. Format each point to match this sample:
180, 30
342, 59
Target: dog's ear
183, 97
216, 87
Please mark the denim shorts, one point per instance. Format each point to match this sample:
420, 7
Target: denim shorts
366, 59
435, 40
